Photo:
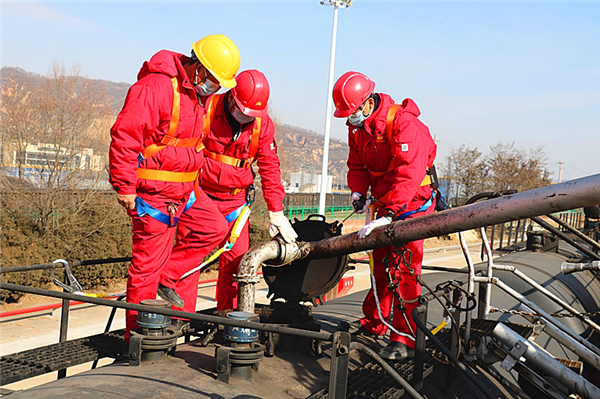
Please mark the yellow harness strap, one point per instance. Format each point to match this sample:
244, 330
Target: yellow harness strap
166, 175
169, 139
240, 163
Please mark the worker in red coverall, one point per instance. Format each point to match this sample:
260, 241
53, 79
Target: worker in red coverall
394, 164
241, 132
155, 155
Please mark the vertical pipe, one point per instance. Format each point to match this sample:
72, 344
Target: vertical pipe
490, 270
338, 373
470, 283
417, 381
64, 323
323, 194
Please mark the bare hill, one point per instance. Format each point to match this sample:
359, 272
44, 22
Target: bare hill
299, 149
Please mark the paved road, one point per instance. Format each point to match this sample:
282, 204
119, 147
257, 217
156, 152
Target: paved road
26, 332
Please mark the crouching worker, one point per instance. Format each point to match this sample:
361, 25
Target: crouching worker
391, 152
238, 132
155, 156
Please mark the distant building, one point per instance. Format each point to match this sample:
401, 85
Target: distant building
305, 182
41, 162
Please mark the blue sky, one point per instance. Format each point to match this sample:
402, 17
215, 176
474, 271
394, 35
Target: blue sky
481, 72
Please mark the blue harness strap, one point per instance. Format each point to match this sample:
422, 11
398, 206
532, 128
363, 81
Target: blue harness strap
234, 215
190, 201
422, 208
143, 208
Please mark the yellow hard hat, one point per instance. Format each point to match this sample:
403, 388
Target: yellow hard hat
220, 56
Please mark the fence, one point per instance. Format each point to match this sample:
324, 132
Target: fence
513, 233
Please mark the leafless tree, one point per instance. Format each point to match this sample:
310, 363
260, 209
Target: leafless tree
505, 167
53, 160
466, 171
514, 168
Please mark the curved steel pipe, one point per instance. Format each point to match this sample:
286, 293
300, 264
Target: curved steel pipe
277, 251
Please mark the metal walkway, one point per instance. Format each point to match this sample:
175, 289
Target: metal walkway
31, 363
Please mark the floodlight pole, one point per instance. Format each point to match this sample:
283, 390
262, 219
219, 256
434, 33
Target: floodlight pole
323, 195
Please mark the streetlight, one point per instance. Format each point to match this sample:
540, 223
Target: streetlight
336, 4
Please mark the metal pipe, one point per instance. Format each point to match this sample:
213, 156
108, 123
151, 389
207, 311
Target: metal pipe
322, 336
541, 201
490, 271
275, 250
519, 297
564, 339
45, 266
568, 268
565, 237
555, 299
389, 369
547, 363
470, 285
573, 230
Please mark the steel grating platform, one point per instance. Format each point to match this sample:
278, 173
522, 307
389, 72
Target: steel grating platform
31, 363
371, 381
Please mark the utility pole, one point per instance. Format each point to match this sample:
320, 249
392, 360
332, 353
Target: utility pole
323, 195
560, 164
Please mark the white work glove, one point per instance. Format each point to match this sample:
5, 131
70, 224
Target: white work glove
367, 228
357, 198
278, 223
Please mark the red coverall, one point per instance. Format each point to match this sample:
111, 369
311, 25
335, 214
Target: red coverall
144, 120
414, 152
220, 141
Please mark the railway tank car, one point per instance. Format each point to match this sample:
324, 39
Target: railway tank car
508, 336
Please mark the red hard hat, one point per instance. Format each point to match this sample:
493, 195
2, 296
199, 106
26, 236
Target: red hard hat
349, 92
251, 93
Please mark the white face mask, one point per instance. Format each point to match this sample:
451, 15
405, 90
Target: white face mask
358, 117
208, 88
240, 117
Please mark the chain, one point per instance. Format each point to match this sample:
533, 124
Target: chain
533, 314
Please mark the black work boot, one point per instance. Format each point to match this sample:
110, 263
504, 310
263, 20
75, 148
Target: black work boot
396, 351
169, 294
356, 328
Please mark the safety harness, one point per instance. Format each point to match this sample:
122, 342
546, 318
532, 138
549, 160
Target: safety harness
168, 140
226, 159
